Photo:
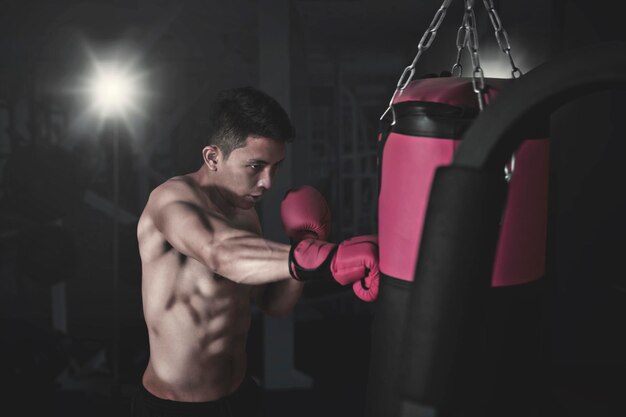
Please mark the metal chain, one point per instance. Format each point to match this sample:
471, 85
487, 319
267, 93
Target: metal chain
424, 44
478, 78
508, 172
505, 46
467, 37
461, 43
501, 36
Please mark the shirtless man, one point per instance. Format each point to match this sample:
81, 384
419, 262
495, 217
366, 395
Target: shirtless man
204, 262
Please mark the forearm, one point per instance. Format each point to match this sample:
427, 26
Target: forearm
279, 298
249, 259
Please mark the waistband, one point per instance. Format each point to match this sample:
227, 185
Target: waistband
155, 402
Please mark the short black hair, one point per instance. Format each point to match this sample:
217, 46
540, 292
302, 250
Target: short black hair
237, 113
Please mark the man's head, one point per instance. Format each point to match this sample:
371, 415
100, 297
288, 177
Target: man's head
238, 113
246, 144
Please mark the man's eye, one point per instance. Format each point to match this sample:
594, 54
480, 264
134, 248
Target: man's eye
256, 167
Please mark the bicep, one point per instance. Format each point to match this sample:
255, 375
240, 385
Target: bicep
232, 251
185, 227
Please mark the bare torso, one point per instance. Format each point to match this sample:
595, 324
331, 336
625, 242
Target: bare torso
197, 320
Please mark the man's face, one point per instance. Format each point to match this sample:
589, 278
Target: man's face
249, 171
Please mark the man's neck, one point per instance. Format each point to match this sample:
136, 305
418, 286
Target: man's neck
204, 181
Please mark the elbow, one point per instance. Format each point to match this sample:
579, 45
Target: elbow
214, 258
220, 261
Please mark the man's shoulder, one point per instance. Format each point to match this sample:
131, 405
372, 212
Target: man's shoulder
175, 188
179, 182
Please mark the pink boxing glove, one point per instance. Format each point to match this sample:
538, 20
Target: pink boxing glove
305, 214
367, 288
306, 220
353, 261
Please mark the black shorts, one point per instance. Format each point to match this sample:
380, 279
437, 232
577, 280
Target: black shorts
247, 401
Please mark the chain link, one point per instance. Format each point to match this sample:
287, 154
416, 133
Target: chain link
503, 42
508, 172
478, 79
461, 43
424, 44
501, 36
429, 36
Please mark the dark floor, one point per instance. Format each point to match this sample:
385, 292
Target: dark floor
333, 352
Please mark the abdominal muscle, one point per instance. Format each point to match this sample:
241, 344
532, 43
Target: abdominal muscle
197, 326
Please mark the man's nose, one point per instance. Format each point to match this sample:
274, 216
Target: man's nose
265, 179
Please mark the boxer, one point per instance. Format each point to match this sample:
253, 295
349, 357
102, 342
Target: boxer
204, 262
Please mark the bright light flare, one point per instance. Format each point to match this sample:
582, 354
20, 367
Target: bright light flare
114, 86
113, 91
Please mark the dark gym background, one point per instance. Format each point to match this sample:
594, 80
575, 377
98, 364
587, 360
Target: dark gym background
72, 335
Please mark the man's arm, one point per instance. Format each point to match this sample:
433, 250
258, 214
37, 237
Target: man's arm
277, 299
212, 240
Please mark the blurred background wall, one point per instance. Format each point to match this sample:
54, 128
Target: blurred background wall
69, 319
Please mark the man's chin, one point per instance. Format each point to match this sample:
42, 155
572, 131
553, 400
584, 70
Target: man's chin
250, 201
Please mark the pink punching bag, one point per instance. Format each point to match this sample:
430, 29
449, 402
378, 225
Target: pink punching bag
431, 115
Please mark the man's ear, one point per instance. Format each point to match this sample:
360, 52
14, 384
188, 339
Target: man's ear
211, 156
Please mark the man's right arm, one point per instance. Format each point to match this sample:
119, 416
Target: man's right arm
212, 240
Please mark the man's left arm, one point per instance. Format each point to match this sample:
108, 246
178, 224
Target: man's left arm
277, 299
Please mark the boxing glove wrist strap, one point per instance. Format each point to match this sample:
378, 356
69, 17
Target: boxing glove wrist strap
318, 267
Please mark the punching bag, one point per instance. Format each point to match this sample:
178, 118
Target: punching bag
431, 115
446, 365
